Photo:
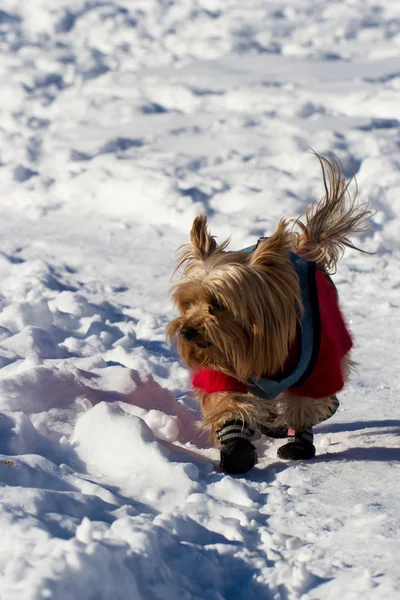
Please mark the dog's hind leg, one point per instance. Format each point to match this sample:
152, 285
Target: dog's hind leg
302, 414
300, 445
331, 408
272, 430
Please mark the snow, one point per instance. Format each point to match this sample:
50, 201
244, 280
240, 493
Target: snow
120, 122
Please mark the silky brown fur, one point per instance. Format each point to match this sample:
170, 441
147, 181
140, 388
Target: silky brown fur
240, 307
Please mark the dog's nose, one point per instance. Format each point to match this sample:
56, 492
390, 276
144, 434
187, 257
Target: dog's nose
189, 333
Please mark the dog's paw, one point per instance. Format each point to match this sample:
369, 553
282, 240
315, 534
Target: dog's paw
297, 450
238, 457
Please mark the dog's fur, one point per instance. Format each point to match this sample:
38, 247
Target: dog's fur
242, 305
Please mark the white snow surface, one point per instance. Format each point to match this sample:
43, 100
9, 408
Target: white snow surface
120, 121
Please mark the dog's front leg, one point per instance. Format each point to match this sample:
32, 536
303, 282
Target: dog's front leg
229, 416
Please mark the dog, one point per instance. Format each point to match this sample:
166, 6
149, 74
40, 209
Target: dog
261, 328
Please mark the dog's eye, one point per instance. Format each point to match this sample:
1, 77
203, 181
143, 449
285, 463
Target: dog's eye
215, 306
186, 305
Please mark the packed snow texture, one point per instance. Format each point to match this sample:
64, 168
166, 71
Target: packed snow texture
119, 122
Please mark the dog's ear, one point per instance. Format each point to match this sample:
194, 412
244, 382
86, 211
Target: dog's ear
202, 245
202, 241
274, 250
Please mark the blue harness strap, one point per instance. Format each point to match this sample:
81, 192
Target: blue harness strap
308, 334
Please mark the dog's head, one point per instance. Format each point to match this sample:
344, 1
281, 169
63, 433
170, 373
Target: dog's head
236, 309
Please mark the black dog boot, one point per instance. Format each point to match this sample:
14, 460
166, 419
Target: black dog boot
300, 445
238, 455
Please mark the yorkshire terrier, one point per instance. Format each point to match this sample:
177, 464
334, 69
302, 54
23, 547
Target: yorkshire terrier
261, 328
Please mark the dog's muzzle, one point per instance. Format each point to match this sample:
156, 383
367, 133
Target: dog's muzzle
190, 334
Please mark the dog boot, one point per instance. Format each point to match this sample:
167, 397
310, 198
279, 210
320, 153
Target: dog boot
238, 455
300, 445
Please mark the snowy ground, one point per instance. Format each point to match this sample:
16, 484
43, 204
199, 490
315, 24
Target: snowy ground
119, 122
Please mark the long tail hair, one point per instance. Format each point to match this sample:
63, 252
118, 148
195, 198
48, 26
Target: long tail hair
330, 222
